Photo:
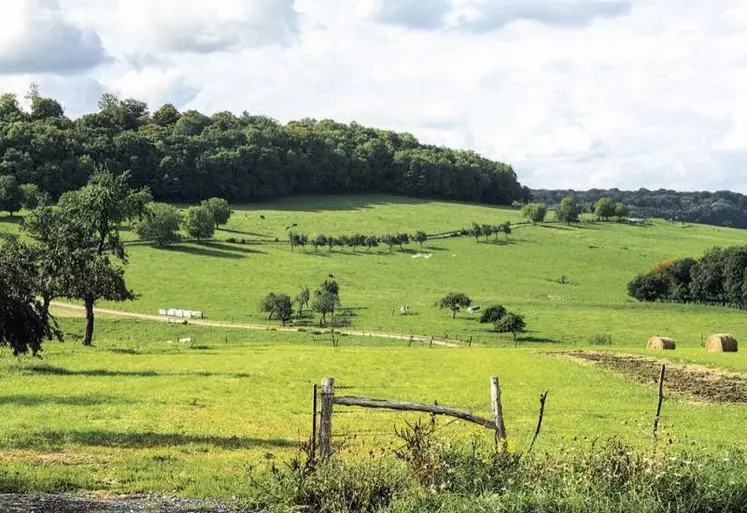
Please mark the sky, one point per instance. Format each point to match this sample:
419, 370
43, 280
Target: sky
572, 93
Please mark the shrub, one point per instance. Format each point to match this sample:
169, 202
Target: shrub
492, 314
601, 340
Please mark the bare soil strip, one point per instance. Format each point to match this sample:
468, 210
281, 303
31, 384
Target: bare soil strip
694, 382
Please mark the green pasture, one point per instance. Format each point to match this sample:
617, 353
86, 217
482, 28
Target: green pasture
137, 413
227, 281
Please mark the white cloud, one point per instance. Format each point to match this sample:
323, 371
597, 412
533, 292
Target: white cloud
37, 37
646, 94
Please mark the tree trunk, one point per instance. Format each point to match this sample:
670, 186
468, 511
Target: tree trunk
88, 339
453, 314
45, 307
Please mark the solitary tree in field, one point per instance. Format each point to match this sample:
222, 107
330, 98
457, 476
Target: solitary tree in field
24, 322
454, 301
302, 300
535, 212
278, 306
11, 194
199, 223
420, 237
160, 224
220, 210
81, 235
568, 211
604, 209
510, 323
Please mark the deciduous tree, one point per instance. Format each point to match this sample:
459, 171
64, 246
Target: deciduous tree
454, 301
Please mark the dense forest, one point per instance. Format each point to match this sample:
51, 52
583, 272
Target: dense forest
721, 208
189, 156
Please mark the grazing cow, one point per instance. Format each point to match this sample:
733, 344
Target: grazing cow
404, 309
473, 309
261, 217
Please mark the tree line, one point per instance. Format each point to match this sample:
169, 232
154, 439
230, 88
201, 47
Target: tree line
190, 156
719, 277
569, 210
721, 208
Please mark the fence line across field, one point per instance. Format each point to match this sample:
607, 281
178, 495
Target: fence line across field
321, 439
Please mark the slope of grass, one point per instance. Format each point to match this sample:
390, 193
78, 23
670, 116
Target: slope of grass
136, 413
227, 281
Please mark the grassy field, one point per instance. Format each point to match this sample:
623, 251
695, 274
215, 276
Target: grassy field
227, 281
142, 412
137, 413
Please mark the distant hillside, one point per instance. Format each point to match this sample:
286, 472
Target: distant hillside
189, 156
722, 208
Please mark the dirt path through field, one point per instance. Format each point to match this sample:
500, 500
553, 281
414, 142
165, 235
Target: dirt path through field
697, 382
76, 310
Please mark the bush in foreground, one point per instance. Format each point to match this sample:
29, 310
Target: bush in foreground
427, 473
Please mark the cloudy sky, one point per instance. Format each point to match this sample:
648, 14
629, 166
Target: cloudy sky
573, 93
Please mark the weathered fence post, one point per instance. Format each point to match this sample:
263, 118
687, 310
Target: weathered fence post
313, 424
325, 423
658, 406
495, 399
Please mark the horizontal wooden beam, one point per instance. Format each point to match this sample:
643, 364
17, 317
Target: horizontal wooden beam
364, 402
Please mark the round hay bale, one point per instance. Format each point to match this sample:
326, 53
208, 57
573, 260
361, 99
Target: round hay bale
661, 344
722, 343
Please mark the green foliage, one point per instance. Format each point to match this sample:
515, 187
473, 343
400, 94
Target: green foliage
622, 211
600, 340
535, 212
297, 239
420, 237
11, 194
24, 321
568, 211
199, 223
454, 301
302, 299
186, 157
80, 236
371, 242
279, 306
324, 303
160, 224
510, 323
219, 209
476, 231
31, 196
492, 314
605, 208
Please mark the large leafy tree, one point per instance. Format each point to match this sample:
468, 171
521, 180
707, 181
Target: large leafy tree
80, 237
535, 212
279, 306
24, 322
199, 223
220, 210
454, 301
160, 224
605, 208
568, 211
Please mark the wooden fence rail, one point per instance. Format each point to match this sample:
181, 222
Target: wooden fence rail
328, 400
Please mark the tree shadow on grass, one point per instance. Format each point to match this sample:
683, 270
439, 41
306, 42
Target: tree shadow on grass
40, 400
242, 232
106, 373
100, 438
539, 340
301, 203
225, 246
208, 250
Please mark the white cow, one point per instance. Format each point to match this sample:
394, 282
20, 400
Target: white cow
404, 309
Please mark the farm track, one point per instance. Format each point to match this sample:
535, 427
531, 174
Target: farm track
257, 327
696, 382
18, 503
